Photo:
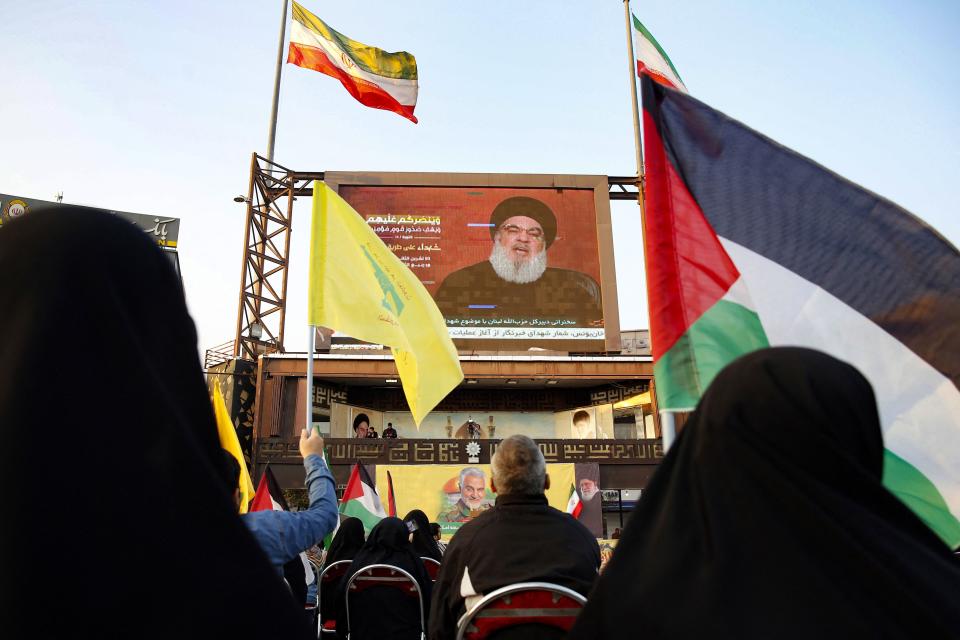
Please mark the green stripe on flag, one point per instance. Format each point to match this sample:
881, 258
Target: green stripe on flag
725, 332
922, 496
649, 36
355, 509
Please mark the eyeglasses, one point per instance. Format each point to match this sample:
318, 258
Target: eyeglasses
513, 230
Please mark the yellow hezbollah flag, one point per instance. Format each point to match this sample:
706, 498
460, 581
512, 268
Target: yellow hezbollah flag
358, 286
230, 443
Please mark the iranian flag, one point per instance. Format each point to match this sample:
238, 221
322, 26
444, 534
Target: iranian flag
360, 499
376, 78
749, 244
652, 59
574, 505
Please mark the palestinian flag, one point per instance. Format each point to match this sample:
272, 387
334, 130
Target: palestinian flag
375, 77
574, 505
360, 499
749, 244
269, 495
652, 59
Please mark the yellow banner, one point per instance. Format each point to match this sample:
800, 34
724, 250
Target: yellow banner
454, 494
230, 443
358, 286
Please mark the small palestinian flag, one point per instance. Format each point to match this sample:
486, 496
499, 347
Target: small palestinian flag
360, 499
269, 495
749, 244
574, 505
376, 78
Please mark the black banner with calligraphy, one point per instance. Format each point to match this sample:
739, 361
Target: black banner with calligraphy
380, 451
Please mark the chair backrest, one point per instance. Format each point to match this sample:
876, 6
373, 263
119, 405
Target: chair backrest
540, 603
327, 578
433, 567
334, 571
385, 575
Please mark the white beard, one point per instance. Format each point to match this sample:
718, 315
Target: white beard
518, 272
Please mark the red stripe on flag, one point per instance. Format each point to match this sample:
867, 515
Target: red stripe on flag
365, 92
354, 489
391, 497
261, 499
656, 75
688, 270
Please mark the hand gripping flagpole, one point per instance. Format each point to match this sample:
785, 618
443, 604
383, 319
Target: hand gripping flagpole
668, 428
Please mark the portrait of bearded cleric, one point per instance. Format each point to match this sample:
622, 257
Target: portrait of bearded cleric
515, 280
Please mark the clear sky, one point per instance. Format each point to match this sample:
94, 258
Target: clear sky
155, 107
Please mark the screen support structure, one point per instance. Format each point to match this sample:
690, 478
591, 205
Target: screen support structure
261, 312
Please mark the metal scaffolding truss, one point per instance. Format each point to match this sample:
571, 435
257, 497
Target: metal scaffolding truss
273, 188
261, 310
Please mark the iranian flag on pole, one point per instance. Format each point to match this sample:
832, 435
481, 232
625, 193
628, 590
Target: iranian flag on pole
750, 244
376, 78
652, 59
574, 505
360, 499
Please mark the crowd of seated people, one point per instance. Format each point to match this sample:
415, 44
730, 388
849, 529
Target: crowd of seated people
767, 517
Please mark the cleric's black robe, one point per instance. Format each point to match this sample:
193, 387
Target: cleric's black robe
559, 294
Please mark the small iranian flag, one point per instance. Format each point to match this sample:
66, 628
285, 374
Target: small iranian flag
360, 499
652, 59
574, 505
376, 78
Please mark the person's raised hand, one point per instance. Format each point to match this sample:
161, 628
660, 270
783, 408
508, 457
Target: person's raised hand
311, 442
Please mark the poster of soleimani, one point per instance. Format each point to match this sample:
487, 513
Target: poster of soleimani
452, 495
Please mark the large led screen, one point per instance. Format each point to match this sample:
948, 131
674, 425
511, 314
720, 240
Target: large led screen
510, 267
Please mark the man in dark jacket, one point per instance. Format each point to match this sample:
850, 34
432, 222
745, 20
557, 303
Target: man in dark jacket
520, 539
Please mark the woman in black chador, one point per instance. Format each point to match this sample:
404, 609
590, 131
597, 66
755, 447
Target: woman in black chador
384, 613
110, 441
422, 538
768, 519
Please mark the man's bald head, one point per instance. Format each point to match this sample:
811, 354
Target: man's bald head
519, 467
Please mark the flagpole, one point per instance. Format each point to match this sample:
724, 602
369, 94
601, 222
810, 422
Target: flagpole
668, 424
276, 85
638, 140
311, 345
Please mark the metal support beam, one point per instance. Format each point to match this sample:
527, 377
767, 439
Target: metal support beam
266, 257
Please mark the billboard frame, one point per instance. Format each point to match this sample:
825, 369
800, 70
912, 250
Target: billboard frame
598, 184
264, 262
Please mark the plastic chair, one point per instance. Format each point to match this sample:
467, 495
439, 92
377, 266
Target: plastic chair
329, 577
385, 575
540, 603
433, 567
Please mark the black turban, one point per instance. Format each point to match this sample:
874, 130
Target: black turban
529, 207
